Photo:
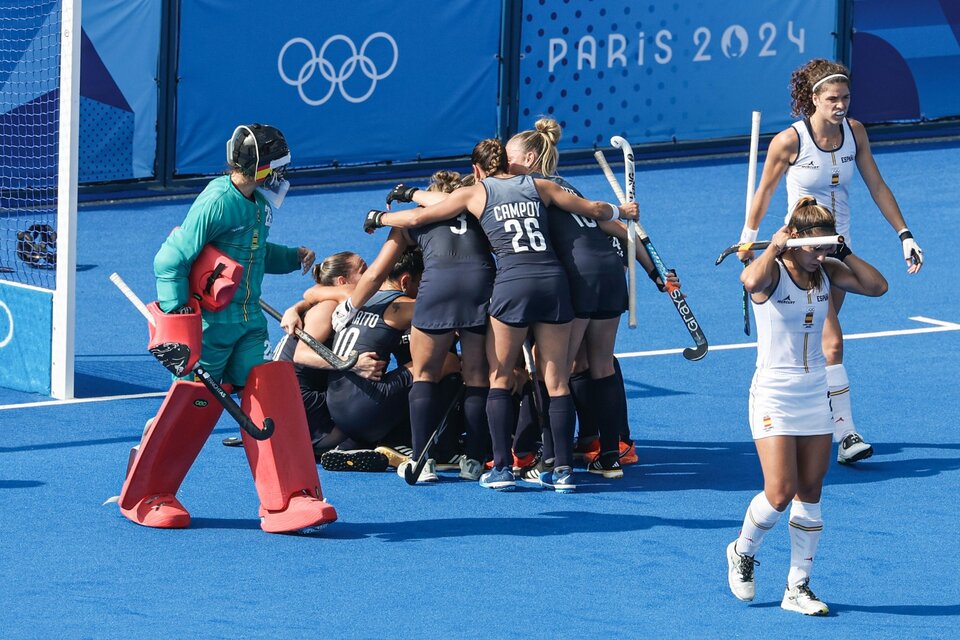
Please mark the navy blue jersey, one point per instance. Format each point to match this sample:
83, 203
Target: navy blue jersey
594, 269
458, 272
459, 239
368, 331
531, 285
515, 221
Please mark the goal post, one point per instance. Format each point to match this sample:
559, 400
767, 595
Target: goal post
65, 294
39, 130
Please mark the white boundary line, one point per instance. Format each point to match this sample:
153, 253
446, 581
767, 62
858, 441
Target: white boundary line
939, 325
52, 403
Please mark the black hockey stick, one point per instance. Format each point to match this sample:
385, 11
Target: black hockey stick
537, 394
760, 245
319, 348
172, 360
412, 472
676, 297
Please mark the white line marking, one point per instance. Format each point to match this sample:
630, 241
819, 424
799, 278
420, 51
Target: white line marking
54, 403
940, 325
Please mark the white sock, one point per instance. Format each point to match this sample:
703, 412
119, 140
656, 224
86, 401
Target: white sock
806, 524
760, 518
839, 392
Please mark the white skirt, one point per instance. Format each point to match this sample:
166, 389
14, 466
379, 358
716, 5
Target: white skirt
790, 404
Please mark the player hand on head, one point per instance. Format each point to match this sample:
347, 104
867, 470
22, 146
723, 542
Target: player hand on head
401, 193
912, 253
306, 257
779, 240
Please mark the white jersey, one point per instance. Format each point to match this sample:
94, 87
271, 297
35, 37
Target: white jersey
825, 175
790, 327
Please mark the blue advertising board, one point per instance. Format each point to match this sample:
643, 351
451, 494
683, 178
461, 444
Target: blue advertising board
346, 82
661, 71
26, 317
905, 60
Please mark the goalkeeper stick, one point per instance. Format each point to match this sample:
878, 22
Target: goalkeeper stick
760, 245
212, 385
319, 348
693, 327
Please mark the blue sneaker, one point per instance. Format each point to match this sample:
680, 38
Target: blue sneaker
498, 479
560, 480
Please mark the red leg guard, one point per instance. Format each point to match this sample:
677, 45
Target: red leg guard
283, 466
168, 448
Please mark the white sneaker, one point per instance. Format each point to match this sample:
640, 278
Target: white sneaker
853, 449
470, 469
802, 600
740, 573
427, 474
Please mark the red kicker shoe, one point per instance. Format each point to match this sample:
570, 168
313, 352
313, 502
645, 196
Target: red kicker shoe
160, 512
303, 512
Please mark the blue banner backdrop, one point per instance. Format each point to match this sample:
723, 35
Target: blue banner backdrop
347, 82
660, 71
905, 60
25, 328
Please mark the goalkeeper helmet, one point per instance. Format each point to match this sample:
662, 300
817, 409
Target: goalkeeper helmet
37, 246
258, 150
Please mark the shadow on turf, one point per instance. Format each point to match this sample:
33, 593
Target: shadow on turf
550, 523
726, 466
921, 610
20, 484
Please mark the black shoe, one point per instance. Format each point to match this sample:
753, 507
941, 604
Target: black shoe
355, 460
233, 441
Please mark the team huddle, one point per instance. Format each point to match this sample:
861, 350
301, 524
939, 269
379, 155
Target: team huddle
481, 338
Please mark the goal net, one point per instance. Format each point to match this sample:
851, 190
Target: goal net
39, 87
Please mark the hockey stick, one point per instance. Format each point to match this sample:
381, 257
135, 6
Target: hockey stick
412, 472
319, 348
792, 243
531, 367
212, 385
751, 187
629, 171
675, 296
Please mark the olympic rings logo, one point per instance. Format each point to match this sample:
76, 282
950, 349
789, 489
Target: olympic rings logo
317, 62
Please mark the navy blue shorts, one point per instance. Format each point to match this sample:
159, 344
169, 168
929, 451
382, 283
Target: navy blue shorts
598, 295
527, 293
368, 410
453, 296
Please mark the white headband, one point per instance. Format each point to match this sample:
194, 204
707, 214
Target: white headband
829, 77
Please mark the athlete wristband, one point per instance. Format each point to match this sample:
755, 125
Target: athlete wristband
614, 211
904, 234
748, 234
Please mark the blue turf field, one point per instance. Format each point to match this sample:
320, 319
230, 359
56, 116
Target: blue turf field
640, 557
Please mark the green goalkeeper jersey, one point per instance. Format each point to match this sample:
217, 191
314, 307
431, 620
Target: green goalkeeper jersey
238, 227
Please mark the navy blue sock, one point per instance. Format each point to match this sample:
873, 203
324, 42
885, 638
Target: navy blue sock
425, 414
580, 390
502, 418
528, 424
477, 442
606, 408
624, 425
563, 418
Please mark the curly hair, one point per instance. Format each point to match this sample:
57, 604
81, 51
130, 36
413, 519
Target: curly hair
803, 79
541, 140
